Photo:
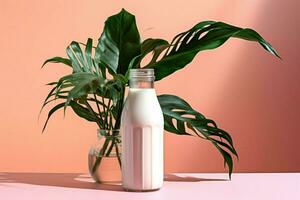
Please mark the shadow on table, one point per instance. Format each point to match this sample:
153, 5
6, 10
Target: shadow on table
178, 178
82, 181
70, 180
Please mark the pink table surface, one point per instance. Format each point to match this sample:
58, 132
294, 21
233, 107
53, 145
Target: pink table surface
187, 186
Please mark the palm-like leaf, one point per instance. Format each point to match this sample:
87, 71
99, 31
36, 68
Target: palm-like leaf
58, 59
80, 61
80, 84
190, 122
119, 42
203, 36
75, 89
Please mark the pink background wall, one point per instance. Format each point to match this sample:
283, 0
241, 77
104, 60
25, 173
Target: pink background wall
249, 93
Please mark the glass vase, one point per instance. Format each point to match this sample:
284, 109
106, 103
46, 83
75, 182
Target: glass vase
104, 157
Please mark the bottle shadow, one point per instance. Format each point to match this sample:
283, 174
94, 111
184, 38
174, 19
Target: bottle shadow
82, 181
181, 178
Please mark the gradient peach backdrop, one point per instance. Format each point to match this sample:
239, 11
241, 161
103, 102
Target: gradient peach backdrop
249, 93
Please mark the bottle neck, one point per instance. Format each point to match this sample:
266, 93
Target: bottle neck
141, 78
135, 83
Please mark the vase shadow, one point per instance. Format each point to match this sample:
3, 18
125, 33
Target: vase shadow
176, 178
69, 180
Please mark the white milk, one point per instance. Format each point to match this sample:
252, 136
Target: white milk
142, 141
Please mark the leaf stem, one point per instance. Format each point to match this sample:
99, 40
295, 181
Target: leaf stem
97, 104
93, 112
106, 115
104, 120
119, 109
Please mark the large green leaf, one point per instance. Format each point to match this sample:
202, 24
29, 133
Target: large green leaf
148, 45
180, 118
203, 36
119, 42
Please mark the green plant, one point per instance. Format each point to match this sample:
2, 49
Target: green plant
95, 88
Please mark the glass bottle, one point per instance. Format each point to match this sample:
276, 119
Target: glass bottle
142, 126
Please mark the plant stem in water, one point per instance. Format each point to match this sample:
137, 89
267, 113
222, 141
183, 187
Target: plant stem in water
118, 154
110, 148
100, 155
